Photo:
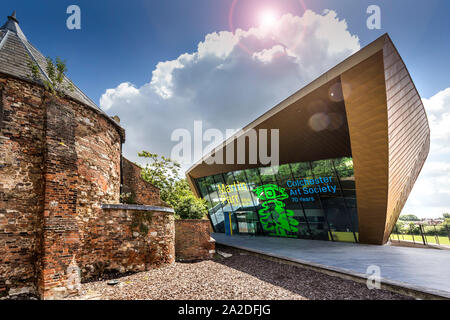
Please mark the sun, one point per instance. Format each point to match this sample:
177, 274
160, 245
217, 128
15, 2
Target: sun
267, 18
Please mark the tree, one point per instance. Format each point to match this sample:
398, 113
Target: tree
413, 228
164, 173
446, 215
56, 81
161, 172
408, 217
185, 204
400, 227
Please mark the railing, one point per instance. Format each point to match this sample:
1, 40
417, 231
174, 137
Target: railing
421, 233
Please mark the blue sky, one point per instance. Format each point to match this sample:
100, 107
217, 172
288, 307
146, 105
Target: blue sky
126, 39
161, 65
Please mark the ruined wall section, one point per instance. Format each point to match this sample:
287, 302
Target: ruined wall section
193, 240
60, 164
98, 149
21, 184
60, 237
141, 191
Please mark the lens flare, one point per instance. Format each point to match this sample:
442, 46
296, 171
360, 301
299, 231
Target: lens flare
276, 15
267, 18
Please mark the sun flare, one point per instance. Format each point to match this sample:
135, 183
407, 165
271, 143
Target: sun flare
267, 18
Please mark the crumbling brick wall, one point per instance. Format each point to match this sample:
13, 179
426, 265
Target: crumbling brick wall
81, 171
131, 240
193, 240
59, 163
142, 191
60, 234
21, 184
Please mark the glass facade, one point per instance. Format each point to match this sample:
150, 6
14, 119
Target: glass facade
307, 200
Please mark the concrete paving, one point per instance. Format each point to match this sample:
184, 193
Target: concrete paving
426, 270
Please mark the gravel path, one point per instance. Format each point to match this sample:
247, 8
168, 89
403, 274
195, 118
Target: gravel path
237, 277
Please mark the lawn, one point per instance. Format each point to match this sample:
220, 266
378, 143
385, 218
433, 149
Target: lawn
343, 236
418, 238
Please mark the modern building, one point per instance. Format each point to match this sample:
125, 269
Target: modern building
351, 146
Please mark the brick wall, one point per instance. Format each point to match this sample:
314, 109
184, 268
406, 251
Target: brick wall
59, 164
130, 239
21, 184
142, 191
60, 235
193, 240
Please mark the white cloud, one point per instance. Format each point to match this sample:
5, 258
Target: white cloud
229, 80
234, 77
430, 196
124, 92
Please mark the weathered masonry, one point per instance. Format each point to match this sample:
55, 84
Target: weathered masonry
61, 168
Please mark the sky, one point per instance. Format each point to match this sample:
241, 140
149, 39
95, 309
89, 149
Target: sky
161, 65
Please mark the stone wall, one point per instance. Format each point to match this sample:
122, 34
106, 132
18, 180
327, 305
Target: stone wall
21, 184
60, 239
81, 171
142, 192
59, 164
193, 240
131, 237
59, 161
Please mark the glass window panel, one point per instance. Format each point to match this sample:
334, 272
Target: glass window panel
215, 207
300, 169
229, 178
338, 219
328, 206
335, 209
267, 175
243, 190
303, 228
344, 167
350, 202
248, 222
239, 176
232, 189
284, 172
253, 178
224, 197
354, 218
317, 223
322, 168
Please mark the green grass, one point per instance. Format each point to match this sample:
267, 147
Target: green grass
418, 238
343, 236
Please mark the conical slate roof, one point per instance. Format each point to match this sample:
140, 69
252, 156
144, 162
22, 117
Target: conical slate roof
16, 53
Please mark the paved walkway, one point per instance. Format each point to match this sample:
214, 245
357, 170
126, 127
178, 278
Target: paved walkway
425, 270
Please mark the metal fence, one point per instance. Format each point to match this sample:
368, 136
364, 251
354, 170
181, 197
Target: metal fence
420, 233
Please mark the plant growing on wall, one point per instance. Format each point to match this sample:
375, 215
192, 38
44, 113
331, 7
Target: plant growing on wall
55, 81
164, 173
129, 198
140, 221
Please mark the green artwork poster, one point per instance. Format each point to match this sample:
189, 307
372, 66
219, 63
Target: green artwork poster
274, 217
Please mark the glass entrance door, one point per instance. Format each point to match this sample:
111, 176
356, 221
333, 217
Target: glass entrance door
247, 222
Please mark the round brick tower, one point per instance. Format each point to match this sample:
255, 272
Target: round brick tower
60, 161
